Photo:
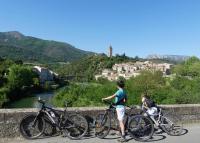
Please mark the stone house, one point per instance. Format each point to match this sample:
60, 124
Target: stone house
44, 74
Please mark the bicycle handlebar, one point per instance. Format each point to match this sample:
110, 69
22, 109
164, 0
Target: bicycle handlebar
41, 101
44, 101
111, 104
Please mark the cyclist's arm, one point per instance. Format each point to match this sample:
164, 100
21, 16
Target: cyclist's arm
109, 97
145, 106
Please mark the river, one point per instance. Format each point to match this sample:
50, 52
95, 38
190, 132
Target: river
31, 102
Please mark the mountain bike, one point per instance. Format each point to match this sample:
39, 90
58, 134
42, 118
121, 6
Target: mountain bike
72, 125
138, 126
168, 122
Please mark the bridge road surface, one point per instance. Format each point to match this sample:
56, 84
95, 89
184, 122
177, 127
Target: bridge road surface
191, 135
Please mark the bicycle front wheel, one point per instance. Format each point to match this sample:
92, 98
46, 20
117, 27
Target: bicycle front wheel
32, 126
102, 125
172, 124
76, 126
141, 128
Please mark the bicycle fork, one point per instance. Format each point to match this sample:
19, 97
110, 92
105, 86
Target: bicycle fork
34, 121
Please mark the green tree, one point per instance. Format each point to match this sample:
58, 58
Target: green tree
18, 78
191, 60
3, 96
190, 68
194, 69
148, 81
4, 65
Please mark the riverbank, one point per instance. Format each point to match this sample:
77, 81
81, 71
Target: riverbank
30, 101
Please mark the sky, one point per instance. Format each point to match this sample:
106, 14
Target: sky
133, 27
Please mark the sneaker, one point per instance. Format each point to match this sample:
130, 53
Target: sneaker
118, 133
122, 139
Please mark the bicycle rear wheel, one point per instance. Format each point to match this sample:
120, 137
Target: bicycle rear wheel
76, 126
172, 124
102, 125
32, 126
140, 127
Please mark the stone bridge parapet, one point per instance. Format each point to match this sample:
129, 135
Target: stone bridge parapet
10, 118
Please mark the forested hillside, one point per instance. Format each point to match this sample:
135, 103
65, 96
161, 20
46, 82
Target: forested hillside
16, 46
183, 87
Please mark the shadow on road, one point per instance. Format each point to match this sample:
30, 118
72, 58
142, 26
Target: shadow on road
51, 131
158, 136
185, 131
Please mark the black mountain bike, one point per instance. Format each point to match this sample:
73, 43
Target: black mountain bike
138, 126
72, 125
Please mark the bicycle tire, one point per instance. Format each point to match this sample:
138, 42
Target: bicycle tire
31, 123
102, 125
76, 126
141, 128
172, 124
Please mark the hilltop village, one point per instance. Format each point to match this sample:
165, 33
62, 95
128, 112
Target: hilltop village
132, 69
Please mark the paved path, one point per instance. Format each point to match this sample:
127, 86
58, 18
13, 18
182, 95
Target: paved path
192, 135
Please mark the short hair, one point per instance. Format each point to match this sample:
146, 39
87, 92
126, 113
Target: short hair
145, 95
120, 83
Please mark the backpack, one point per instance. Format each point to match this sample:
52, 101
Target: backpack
122, 101
150, 103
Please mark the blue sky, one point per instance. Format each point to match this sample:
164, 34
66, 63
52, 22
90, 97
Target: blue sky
134, 27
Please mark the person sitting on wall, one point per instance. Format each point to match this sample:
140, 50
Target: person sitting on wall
149, 106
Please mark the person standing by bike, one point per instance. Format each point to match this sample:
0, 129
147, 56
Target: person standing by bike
120, 100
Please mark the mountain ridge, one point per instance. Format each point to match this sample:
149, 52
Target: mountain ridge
175, 58
17, 46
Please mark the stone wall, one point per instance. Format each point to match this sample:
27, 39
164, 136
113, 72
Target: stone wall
10, 118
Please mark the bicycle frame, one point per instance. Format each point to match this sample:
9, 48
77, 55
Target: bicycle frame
44, 112
49, 121
159, 121
133, 123
111, 112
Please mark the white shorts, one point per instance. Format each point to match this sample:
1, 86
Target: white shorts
152, 111
120, 113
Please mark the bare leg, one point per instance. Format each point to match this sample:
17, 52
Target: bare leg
121, 124
120, 114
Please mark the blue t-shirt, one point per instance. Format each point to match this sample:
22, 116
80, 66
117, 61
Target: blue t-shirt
120, 94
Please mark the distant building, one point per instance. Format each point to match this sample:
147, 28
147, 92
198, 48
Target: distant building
44, 74
133, 69
110, 51
165, 68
